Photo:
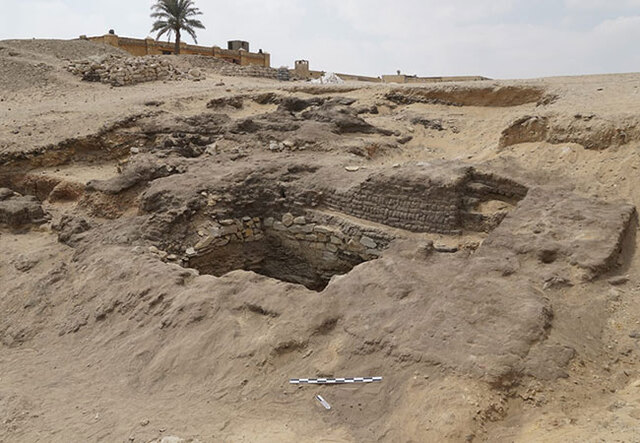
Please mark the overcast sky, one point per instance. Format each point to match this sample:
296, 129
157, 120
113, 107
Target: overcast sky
495, 38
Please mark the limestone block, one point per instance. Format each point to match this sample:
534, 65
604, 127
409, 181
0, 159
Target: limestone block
223, 241
355, 246
307, 229
287, 219
230, 229
204, 243
323, 230
368, 242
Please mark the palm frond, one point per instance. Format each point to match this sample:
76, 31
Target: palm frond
172, 16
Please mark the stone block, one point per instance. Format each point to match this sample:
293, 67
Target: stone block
368, 242
223, 241
323, 230
204, 243
287, 219
230, 229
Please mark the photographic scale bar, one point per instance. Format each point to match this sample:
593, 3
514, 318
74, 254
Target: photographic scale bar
333, 381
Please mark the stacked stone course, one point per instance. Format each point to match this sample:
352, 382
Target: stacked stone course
247, 229
232, 70
314, 240
124, 71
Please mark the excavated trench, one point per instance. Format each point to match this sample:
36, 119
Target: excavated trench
274, 257
339, 229
309, 248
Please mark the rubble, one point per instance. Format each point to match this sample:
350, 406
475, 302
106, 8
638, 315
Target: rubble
125, 71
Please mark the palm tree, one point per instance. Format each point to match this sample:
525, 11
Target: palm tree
173, 16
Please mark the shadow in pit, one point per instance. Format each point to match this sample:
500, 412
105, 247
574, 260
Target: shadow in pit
272, 258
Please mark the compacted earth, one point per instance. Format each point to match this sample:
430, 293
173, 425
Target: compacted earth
174, 251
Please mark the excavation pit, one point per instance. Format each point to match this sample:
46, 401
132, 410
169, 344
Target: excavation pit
305, 253
269, 257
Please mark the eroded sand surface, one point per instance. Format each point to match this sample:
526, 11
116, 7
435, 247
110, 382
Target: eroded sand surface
174, 252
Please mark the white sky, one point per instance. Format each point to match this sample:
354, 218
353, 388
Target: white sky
495, 38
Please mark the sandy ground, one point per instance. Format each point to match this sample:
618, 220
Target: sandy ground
176, 354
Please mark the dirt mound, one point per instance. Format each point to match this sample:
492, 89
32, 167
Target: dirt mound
19, 211
590, 131
34, 63
489, 96
295, 223
17, 74
322, 89
61, 49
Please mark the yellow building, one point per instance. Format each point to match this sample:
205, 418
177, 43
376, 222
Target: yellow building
237, 53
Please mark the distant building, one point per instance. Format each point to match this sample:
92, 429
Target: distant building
400, 78
237, 53
236, 45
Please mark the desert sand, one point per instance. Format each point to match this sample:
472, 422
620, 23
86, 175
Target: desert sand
174, 252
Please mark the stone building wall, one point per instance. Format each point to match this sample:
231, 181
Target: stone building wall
149, 46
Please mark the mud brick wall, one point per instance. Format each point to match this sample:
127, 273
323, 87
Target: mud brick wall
433, 209
428, 206
487, 186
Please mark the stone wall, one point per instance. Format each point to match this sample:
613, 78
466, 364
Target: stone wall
297, 232
247, 71
289, 248
118, 71
414, 79
149, 46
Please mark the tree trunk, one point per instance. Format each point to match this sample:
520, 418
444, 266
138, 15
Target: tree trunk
177, 49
